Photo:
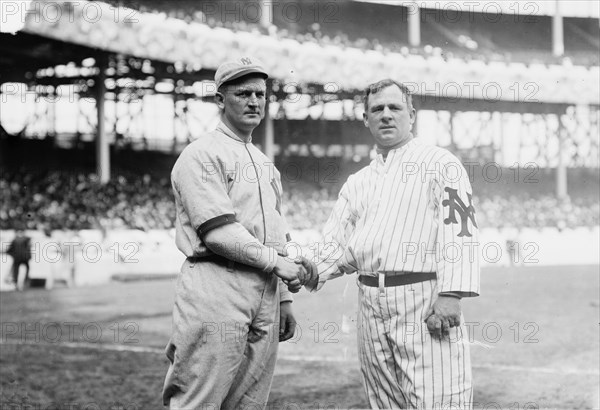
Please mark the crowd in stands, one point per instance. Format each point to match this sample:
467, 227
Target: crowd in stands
525, 211
307, 209
447, 40
59, 200
468, 51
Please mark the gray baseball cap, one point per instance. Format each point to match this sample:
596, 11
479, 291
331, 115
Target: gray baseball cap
231, 70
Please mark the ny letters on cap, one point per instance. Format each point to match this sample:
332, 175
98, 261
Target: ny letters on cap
232, 70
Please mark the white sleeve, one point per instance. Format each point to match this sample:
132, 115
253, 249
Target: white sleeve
334, 258
458, 233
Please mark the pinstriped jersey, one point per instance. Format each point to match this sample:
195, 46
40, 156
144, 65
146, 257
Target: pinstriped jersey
410, 212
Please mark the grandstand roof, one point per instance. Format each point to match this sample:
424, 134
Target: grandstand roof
198, 47
567, 8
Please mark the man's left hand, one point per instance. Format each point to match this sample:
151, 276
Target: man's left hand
287, 322
444, 314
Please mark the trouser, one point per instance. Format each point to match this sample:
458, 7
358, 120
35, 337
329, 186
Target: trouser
225, 337
402, 365
15, 271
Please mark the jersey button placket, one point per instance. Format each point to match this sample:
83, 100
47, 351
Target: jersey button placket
381, 174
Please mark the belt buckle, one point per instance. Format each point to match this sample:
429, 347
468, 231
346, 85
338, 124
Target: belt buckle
381, 277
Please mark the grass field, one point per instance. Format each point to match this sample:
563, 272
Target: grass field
535, 330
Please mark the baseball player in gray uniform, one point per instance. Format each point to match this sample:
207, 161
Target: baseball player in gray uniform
406, 225
231, 306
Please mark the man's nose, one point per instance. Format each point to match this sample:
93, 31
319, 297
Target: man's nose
386, 113
253, 99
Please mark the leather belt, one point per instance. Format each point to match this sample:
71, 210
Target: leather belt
398, 279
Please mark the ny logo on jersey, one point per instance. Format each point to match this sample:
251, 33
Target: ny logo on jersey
455, 204
246, 61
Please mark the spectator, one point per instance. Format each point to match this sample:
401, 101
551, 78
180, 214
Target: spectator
58, 200
20, 251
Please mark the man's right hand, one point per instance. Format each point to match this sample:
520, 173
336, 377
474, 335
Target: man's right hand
290, 273
311, 276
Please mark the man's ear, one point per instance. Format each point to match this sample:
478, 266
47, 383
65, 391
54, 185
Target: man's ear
220, 100
365, 120
413, 116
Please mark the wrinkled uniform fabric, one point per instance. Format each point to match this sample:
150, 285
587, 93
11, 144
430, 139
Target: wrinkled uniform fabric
226, 316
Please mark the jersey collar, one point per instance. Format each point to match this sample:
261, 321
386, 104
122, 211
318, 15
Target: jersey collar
227, 131
392, 153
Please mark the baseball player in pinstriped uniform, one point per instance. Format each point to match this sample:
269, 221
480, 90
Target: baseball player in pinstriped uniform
229, 301
406, 225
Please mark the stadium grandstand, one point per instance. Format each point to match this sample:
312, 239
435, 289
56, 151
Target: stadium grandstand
513, 92
98, 99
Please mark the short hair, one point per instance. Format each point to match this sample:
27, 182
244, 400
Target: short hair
385, 83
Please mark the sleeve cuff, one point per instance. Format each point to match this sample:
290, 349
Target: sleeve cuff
215, 222
272, 262
451, 294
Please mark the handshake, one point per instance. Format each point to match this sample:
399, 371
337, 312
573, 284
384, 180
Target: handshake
301, 272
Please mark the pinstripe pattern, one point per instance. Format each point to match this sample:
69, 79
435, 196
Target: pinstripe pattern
390, 217
402, 366
396, 215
